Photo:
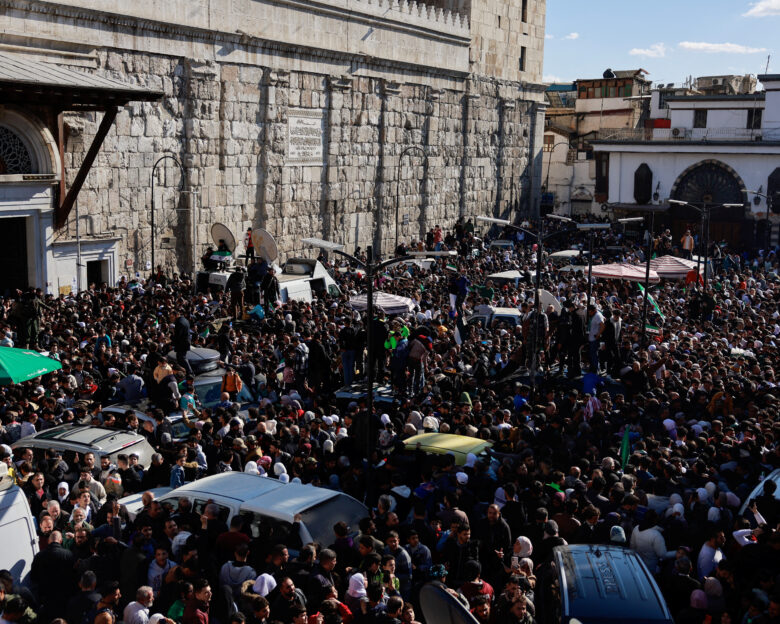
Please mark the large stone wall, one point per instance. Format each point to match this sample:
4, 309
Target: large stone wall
404, 147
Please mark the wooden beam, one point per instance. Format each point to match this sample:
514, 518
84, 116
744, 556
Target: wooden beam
66, 203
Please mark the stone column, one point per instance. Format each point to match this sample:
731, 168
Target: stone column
389, 92
431, 209
333, 193
503, 167
468, 138
199, 156
274, 145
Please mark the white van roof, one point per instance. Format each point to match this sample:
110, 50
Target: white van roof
257, 493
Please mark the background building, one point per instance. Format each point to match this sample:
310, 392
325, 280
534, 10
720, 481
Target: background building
711, 149
298, 117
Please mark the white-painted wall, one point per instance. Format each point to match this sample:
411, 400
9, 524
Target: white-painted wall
754, 169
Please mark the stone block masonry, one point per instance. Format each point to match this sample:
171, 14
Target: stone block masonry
302, 141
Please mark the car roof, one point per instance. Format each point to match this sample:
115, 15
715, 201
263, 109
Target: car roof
252, 492
759, 489
608, 583
139, 407
442, 443
96, 438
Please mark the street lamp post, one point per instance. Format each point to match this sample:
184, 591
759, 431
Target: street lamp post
705, 210
371, 269
540, 238
757, 201
398, 194
154, 170
590, 228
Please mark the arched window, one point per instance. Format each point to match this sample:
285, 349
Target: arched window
15, 158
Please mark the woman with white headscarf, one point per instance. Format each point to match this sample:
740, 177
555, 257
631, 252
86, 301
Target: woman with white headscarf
356, 593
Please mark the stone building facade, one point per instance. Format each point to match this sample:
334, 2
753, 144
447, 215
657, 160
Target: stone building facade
359, 121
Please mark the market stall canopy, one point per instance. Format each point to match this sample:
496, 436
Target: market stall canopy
389, 304
18, 365
625, 272
672, 267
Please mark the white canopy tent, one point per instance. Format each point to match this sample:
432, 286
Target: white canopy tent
389, 304
672, 267
625, 272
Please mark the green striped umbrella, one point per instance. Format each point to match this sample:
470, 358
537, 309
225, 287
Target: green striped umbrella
18, 365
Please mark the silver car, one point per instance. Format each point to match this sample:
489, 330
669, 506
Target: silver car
83, 439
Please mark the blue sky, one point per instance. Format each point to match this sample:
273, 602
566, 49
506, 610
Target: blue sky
671, 39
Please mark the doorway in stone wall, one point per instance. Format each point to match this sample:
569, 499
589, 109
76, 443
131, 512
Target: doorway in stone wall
13, 254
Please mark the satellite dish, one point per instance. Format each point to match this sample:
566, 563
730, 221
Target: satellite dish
265, 245
608, 73
221, 232
440, 607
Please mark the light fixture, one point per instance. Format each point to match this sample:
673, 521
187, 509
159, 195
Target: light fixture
757, 195
494, 220
323, 244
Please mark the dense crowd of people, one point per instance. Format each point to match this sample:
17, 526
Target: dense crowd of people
649, 439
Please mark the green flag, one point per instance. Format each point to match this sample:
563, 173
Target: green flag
625, 449
652, 301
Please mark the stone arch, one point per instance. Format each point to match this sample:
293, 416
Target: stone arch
726, 183
36, 138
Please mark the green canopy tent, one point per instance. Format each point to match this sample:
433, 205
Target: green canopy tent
18, 365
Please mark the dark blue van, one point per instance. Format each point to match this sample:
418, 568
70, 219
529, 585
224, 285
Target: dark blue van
599, 585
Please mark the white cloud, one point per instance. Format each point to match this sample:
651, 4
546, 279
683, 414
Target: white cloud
572, 36
763, 8
549, 36
719, 48
552, 78
657, 50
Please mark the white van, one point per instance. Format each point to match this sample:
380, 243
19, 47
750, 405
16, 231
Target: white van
269, 506
301, 279
485, 316
17, 529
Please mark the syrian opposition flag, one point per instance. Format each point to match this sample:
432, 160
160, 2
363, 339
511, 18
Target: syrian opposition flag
652, 301
625, 448
460, 329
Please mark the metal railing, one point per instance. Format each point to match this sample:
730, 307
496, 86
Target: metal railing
631, 135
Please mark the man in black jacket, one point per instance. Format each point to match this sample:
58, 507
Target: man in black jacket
52, 573
181, 342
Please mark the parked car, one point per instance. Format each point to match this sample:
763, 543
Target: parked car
201, 359
357, 391
303, 279
270, 506
85, 438
179, 429
487, 315
593, 584
17, 529
759, 490
458, 446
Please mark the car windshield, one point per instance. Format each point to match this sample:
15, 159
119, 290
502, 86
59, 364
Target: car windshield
209, 391
179, 430
321, 518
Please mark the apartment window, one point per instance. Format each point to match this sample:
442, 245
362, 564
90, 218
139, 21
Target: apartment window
524, 14
754, 118
523, 55
700, 118
549, 141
